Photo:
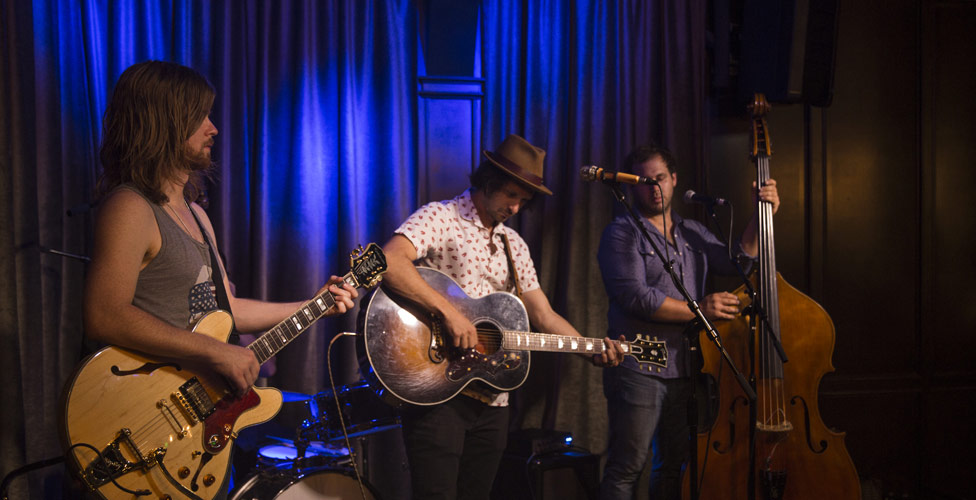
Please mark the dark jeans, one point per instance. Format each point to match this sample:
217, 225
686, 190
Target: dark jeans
643, 409
454, 448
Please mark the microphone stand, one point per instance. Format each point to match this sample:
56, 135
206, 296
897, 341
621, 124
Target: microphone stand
757, 310
699, 316
750, 290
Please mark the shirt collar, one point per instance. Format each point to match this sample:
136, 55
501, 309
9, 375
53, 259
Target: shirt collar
676, 221
467, 210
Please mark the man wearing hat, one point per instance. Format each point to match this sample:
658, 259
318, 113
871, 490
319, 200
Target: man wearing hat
454, 448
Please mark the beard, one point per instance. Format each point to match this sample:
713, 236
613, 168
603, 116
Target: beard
501, 216
648, 208
200, 160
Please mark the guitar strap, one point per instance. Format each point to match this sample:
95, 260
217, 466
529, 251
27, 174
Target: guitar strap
217, 276
511, 265
480, 392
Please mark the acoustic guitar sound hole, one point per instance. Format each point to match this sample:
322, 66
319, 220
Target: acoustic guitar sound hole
489, 337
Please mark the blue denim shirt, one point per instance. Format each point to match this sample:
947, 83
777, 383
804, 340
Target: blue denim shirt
637, 283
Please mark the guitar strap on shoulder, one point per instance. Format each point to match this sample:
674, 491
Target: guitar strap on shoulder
511, 264
217, 276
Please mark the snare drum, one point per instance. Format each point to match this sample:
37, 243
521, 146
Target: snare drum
363, 412
319, 484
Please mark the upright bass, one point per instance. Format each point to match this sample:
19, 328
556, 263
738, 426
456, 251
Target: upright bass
777, 447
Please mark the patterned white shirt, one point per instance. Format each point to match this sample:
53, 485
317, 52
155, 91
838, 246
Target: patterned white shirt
450, 237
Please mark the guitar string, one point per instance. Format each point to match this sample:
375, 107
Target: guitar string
145, 435
492, 338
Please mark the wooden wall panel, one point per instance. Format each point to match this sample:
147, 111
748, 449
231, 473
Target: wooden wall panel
947, 264
884, 452
949, 181
871, 234
449, 134
877, 225
946, 461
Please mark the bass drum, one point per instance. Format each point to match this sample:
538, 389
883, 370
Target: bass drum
328, 484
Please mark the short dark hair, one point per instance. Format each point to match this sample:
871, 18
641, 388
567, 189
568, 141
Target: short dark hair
640, 154
489, 178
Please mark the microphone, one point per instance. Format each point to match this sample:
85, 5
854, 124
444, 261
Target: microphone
592, 173
691, 196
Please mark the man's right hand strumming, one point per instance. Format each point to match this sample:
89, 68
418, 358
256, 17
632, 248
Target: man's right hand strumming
462, 331
238, 365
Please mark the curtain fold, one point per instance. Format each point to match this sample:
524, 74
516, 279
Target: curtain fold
315, 106
317, 152
587, 81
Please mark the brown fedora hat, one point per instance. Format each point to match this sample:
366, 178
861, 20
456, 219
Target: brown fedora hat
521, 160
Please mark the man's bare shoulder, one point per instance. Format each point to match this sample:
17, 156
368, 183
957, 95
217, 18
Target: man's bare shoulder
125, 202
125, 212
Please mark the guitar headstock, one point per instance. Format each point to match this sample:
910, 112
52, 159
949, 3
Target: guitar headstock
367, 265
649, 351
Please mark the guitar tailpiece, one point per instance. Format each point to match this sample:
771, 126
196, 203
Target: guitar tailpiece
88, 479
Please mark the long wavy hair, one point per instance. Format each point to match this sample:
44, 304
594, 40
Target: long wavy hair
155, 107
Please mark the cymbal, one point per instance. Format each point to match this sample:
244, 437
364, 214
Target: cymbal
293, 397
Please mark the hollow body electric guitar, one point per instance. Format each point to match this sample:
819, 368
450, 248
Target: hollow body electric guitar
132, 426
407, 357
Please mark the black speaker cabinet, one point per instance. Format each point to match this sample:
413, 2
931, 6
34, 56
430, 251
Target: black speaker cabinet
787, 50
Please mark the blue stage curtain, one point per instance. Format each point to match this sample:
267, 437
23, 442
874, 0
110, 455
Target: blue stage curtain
316, 154
588, 81
316, 107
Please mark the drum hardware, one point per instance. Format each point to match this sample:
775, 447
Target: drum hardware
342, 422
351, 410
324, 482
315, 462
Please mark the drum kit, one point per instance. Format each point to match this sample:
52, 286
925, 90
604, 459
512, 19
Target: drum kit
318, 462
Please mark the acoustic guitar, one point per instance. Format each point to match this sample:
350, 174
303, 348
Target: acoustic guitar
407, 357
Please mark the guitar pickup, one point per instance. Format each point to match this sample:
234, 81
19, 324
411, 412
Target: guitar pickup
193, 399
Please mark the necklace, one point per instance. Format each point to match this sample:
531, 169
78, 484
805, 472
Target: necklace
206, 258
177, 214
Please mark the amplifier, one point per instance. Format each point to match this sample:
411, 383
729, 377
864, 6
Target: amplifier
529, 442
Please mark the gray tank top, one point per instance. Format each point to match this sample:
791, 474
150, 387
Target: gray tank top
176, 286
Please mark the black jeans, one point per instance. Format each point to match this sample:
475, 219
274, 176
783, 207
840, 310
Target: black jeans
645, 412
454, 448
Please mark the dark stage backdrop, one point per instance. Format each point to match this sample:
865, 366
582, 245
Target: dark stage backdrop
317, 152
